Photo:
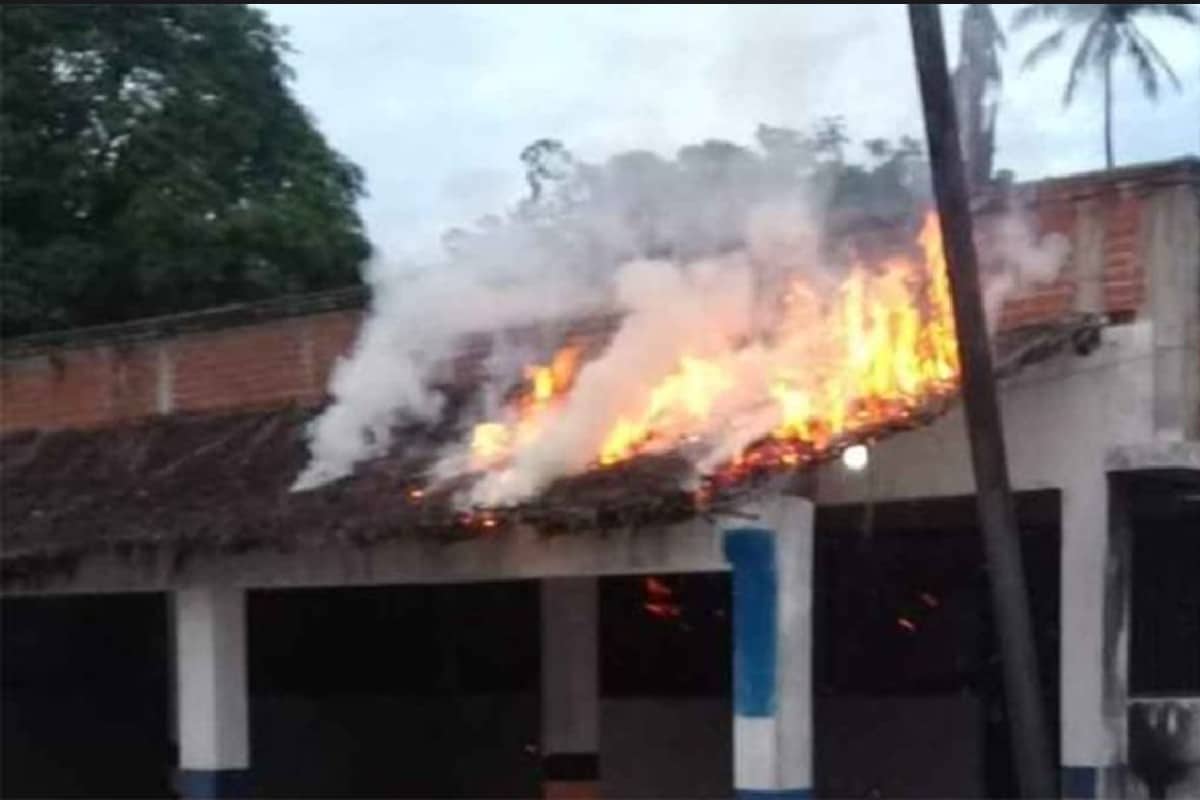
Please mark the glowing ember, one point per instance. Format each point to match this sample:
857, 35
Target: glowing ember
833, 366
656, 588
662, 610
660, 600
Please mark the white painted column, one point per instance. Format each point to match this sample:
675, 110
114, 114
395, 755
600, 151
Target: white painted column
1091, 727
212, 700
570, 688
772, 613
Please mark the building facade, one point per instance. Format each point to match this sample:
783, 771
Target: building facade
187, 431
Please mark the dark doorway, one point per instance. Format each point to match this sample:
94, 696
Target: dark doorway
1163, 509
84, 703
413, 691
666, 709
908, 693
1164, 652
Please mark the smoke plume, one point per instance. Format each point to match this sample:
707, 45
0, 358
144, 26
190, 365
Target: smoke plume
701, 259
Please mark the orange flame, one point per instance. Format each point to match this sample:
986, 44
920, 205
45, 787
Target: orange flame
544, 386
683, 396
870, 353
893, 328
546, 381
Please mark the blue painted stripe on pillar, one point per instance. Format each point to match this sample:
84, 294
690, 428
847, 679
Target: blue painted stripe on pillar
751, 551
212, 783
774, 794
1079, 783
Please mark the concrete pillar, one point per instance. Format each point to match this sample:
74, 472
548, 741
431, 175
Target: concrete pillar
1092, 656
570, 689
212, 701
772, 660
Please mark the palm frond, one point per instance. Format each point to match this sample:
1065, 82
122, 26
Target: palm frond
1046, 47
1148, 49
1145, 67
1038, 12
1087, 53
1054, 12
1179, 11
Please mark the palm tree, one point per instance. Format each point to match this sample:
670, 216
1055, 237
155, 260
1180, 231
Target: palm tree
1109, 31
977, 89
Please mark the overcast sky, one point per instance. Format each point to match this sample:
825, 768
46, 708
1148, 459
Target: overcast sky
436, 102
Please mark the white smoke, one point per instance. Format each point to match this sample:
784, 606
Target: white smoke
415, 325
1017, 260
708, 300
671, 309
713, 309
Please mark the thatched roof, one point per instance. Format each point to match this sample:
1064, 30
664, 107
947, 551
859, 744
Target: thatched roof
192, 484
189, 484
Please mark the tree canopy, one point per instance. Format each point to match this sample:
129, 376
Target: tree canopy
153, 161
587, 217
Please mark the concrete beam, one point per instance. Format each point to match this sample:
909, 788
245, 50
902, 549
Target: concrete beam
520, 554
1156, 455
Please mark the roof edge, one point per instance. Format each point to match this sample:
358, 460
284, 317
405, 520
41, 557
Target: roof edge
233, 315
1172, 172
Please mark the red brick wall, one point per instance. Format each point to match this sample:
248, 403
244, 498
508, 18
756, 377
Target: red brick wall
269, 364
288, 360
1124, 274
1121, 274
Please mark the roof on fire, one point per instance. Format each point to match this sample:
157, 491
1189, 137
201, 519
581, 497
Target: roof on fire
184, 484
189, 484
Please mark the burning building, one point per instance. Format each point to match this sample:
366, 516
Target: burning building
652, 506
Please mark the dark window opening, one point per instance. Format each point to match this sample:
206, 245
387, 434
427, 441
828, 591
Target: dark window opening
395, 691
84, 701
907, 676
1164, 651
475, 638
666, 635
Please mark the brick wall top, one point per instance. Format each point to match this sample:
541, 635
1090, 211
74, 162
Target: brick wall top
281, 353
269, 364
229, 316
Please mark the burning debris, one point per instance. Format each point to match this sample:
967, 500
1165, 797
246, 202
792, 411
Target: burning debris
833, 367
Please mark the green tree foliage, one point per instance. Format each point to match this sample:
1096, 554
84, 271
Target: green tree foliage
153, 161
1109, 32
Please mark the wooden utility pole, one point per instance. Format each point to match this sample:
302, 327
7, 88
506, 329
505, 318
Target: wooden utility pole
997, 517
